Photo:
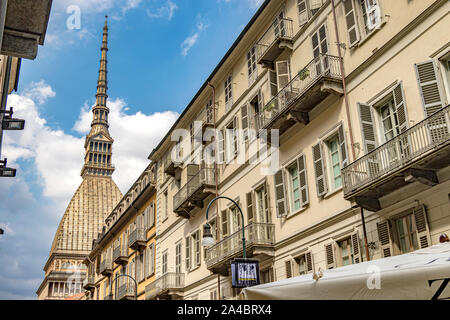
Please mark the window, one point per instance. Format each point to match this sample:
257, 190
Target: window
320, 49
188, 254
209, 111
301, 264
164, 262
346, 252
362, 17
297, 184
251, 66
267, 276
231, 140
213, 224
406, 232
335, 161
166, 205
262, 205
331, 154
228, 93
197, 247
213, 294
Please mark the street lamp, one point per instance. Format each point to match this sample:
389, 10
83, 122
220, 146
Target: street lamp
9, 123
208, 239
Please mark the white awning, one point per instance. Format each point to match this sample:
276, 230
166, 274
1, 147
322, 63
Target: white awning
419, 275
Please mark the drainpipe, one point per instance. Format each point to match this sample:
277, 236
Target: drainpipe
347, 109
215, 179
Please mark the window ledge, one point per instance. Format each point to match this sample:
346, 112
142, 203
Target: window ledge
333, 192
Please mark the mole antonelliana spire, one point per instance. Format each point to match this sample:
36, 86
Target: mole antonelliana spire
94, 199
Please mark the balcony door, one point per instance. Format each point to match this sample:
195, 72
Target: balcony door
279, 26
320, 49
235, 226
262, 215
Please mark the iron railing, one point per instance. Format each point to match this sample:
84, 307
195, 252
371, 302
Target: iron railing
255, 234
398, 152
106, 265
168, 281
126, 289
205, 176
322, 66
137, 234
280, 29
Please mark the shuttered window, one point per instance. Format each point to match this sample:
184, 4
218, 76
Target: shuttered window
228, 93
356, 249
430, 86
188, 254
283, 74
319, 170
288, 266
303, 16
245, 121
384, 236
329, 256
280, 193
250, 207
251, 65
352, 23
298, 186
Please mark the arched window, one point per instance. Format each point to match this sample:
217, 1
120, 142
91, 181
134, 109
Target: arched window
67, 265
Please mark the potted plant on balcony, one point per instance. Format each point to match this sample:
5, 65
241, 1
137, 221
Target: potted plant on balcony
303, 74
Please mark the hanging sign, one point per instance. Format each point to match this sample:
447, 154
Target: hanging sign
244, 273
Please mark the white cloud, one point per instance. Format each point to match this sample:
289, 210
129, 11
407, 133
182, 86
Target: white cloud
58, 156
39, 91
165, 10
190, 41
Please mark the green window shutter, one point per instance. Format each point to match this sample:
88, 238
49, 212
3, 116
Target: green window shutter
400, 106
356, 248
288, 265
384, 236
423, 232
303, 179
319, 169
352, 24
367, 127
430, 87
280, 194
342, 144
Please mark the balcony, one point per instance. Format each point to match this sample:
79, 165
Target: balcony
120, 255
89, 282
137, 239
259, 240
414, 155
170, 286
106, 267
25, 26
171, 166
192, 194
127, 291
312, 85
274, 41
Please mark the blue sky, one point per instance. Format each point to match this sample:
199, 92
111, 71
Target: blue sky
161, 52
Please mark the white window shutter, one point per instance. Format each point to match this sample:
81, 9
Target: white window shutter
423, 232
280, 194
356, 248
303, 179
344, 154
309, 261
283, 74
430, 86
221, 146
302, 12
329, 256
319, 169
245, 120
188, 253
373, 14
352, 23
367, 127
384, 236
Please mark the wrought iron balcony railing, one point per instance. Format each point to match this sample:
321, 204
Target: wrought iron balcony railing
168, 282
106, 266
255, 234
120, 253
320, 67
126, 290
281, 29
412, 145
204, 178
